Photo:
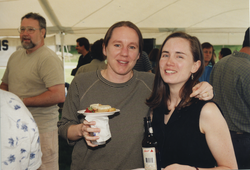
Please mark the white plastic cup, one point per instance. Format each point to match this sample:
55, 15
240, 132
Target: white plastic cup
95, 142
103, 124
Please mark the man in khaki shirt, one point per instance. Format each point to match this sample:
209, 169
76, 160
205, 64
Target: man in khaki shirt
35, 74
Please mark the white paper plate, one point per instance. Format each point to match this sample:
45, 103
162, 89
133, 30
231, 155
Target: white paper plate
98, 113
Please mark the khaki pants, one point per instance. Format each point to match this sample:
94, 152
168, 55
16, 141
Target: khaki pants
49, 146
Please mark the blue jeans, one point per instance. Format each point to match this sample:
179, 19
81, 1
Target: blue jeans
241, 143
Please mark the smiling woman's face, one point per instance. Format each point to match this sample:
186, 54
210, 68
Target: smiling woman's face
122, 50
176, 62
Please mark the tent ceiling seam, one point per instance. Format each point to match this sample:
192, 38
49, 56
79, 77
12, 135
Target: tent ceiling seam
93, 12
157, 11
216, 16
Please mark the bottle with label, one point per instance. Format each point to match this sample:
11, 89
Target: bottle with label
150, 151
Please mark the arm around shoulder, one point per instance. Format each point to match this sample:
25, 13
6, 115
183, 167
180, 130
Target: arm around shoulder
203, 91
218, 138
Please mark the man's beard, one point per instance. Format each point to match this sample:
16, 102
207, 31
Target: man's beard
28, 45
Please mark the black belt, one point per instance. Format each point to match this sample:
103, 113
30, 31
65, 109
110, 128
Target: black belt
239, 133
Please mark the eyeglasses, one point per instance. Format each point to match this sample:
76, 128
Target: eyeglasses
30, 30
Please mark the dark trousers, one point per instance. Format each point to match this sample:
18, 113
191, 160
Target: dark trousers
241, 143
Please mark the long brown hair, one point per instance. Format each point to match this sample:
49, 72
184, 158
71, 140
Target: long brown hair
161, 94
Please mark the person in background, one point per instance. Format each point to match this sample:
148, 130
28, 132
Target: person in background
35, 74
20, 143
153, 57
82, 48
230, 78
98, 61
191, 133
208, 52
120, 87
143, 63
224, 52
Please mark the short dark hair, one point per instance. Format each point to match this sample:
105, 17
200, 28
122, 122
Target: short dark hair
83, 41
41, 20
160, 93
208, 45
125, 24
96, 50
225, 51
246, 42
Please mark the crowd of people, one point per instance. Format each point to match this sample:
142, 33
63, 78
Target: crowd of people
194, 128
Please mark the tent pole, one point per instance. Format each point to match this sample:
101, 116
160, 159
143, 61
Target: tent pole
62, 51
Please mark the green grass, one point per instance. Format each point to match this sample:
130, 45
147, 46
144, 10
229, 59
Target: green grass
2, 71
67, 73
217, 49
70, 64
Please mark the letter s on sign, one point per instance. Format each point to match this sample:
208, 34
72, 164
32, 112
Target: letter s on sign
5, 45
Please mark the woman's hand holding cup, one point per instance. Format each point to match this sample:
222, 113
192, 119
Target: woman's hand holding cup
87, 131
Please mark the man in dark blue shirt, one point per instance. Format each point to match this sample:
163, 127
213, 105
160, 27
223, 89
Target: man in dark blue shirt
82, 47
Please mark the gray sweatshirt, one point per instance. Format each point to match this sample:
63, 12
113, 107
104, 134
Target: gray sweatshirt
123, 150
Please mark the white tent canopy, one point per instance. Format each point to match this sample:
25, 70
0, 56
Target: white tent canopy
220, 22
